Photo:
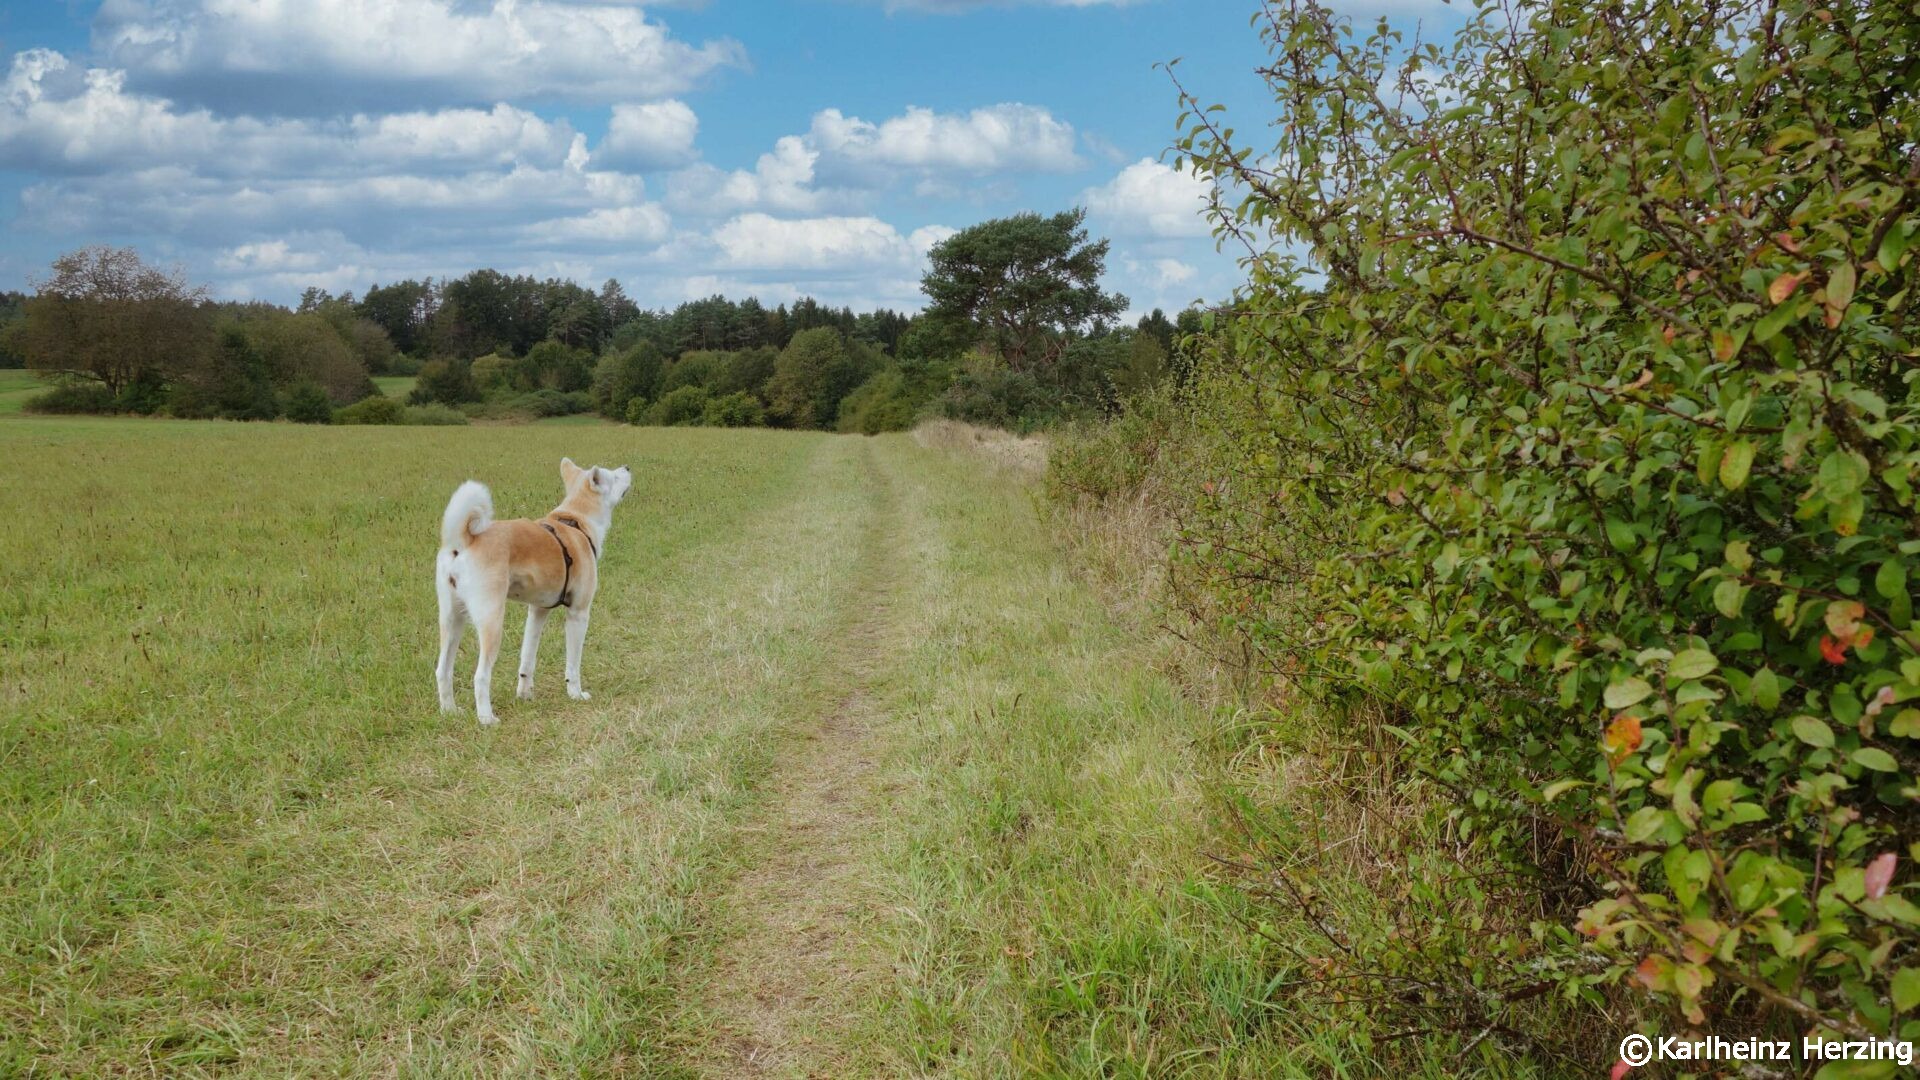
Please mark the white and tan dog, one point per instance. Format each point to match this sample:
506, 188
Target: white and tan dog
550, 563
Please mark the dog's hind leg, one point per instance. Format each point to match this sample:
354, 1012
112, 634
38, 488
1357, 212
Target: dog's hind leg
530, 650
576, 639
453, 623
489, 624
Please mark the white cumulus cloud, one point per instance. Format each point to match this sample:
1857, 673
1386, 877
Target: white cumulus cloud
648, 136
1151, 199
998, 138
840, 157
58, 117
336, 55
758, 241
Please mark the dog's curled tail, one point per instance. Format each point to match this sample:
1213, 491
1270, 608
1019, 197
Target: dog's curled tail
468, 514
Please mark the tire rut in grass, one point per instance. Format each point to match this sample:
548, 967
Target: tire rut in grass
789, 968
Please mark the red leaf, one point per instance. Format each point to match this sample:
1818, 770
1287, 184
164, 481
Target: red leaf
1833, 651
1880, 875
1620, 1069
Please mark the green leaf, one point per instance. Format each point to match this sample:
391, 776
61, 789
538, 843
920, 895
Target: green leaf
1646, 822
1813, 731
1736, 463
1891, 579
1841, 474
1765, 688
1906, 988
1892, 246
1840, 285
1628, 691
1558, 788
1872, 757
1692, 664
1738, 556
1729, 596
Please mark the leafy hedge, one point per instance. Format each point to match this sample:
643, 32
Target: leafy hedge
1584, 434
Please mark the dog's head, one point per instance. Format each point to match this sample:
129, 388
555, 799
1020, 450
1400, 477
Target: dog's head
609, 484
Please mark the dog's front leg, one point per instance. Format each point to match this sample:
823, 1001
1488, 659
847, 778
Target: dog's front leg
576, 639
530, 650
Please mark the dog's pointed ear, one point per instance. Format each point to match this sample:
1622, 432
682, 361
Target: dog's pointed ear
568, 470
597, 479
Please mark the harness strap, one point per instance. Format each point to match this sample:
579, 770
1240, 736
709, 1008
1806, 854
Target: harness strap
569, 519
566, 584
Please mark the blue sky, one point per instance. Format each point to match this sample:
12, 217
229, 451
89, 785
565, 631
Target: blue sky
815, 147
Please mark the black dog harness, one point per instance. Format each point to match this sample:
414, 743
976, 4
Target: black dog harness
566, 583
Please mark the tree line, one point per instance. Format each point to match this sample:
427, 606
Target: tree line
1017, 332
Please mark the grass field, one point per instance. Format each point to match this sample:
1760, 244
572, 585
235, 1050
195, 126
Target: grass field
16, 386
870, 784
395, 386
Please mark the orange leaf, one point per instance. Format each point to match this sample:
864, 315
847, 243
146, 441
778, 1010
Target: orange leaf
1652, 972
1784, 285
1622, 737
1786, 242
1833, 651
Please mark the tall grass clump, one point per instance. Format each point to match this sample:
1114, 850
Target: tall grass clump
1560, 454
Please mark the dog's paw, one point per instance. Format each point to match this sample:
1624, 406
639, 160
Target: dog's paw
488, 720
447, 705
578, 695
525, 692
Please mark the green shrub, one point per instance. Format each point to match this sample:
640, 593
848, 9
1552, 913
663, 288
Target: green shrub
435, 415
1591, 450
637, 408
72, 399
625, 376
449, 382
686, 406
492, 372
810, 376
144, 395
373, 410
877, 405
307, 403
551, 365
733, 410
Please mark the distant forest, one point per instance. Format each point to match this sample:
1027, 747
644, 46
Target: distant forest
1017, 332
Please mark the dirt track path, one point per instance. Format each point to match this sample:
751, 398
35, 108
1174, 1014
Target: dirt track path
783, 985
